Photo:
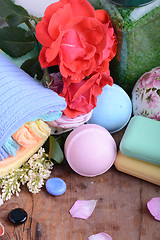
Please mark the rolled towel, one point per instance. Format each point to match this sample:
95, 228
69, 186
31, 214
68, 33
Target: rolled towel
23, 99
30, 137
11, 146
64, 123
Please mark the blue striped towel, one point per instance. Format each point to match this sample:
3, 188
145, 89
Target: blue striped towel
23, 99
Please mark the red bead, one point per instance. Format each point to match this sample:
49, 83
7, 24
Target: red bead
1, 229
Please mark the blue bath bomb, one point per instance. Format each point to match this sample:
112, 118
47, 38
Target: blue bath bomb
113, 110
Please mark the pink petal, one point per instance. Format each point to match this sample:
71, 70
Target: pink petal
154, 207
83, 209
72, 47
100, 236
1, 230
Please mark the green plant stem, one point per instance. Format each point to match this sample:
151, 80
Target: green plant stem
31, 27
35, 19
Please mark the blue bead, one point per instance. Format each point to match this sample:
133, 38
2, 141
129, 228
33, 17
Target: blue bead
55, 186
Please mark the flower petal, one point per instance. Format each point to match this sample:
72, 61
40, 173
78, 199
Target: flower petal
42, 33
102, 16
42, 59
100, 236
71, 46
59, 21
53, 50
83, 208
52, 8
92, 31
82, 8
154, 207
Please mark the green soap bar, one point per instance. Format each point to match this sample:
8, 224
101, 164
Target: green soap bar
141, 140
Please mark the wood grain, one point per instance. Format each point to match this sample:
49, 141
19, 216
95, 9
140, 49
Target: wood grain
121, 209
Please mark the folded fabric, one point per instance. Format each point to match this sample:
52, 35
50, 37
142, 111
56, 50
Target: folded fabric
68, 123
30, 137
11, 146
23, 99
64, 123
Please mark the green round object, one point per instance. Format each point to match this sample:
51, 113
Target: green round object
131, 3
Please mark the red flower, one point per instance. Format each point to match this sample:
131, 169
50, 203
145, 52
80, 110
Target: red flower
77, 38
82, 97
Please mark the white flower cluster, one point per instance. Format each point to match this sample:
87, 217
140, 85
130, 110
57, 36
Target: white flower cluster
33, 173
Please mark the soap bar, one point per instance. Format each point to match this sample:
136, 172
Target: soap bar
141, 140
140, 169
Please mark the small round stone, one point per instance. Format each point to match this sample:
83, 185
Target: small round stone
17, 216
55, 186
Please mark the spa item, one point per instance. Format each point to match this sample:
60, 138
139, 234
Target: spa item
141, 140
23, 99
138, 168
113, 109
65, 124
146, 95
17, 216
90, 150
55, 186
41, 132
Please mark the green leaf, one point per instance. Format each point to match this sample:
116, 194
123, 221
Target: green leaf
147, 90
33, 68
55, 152
12, 13
158, 92
154, 89
14, 42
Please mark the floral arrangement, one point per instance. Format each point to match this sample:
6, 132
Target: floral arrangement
74, 41
68, 50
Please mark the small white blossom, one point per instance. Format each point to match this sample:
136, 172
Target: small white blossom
1, 200
31, 173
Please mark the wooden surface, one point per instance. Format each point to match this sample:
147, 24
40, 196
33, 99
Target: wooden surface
120, 211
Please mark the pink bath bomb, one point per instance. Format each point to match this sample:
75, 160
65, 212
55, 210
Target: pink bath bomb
90, 150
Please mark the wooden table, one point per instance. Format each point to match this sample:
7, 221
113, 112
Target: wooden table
121, 209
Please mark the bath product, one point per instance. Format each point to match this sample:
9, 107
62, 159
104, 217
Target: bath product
146, 95
65, 124
22, 99
42, 132
138, 168
141, 140
90, 150
113, 109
